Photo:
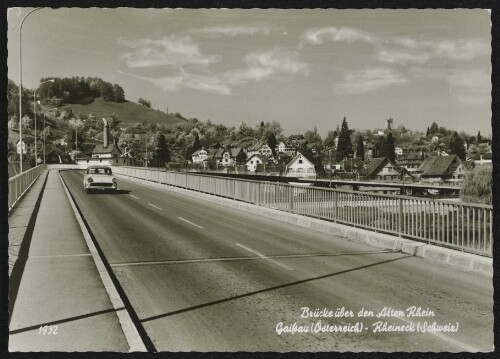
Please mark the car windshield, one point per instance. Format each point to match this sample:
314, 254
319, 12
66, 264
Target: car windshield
100, 171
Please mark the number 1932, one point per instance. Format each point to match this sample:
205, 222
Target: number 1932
48, 330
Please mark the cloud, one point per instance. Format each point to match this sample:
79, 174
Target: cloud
399, 50
232, 30
470, 86
320, 35
392, 56
277, 62
404, 51
171, 51
369, 80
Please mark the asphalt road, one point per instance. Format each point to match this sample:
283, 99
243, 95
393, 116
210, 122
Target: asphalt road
204, 277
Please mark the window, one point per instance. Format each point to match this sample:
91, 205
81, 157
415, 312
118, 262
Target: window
300, 161
251, 162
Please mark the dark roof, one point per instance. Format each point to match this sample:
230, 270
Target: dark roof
468, 164
235, 151
410, 156
375, 165
436, 165
486, 156
108, 149
49, 148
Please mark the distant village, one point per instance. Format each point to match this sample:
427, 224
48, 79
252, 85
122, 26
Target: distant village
169, 140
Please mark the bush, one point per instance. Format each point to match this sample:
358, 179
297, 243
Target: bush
86, 100
477, 185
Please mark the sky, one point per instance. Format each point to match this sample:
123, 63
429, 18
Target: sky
302, 68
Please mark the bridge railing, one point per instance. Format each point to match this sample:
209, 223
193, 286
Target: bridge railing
20, 183
463, 226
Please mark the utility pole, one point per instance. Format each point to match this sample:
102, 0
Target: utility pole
330, 152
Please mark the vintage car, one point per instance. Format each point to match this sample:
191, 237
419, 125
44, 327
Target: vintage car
99, 178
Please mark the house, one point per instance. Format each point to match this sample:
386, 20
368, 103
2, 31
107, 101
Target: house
411, 161
462, 169
398, 151
287, 148
229, 156
349, 164
439, 167
254, 161
259, 147
107, 153
300, 166
28, 145
199, 156
482, 159
382, 168
53, 155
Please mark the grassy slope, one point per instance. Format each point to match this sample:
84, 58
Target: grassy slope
128, 112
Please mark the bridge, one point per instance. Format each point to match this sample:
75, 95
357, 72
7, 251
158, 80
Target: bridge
403, 188
188, 262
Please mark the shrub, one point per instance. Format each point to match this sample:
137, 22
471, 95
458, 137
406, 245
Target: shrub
86, 100
477, 185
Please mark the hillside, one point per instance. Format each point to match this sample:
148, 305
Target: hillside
128, 112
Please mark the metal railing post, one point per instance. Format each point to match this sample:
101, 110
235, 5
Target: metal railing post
400, 219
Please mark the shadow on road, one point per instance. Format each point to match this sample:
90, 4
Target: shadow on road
228, 259
267, 290
61, 321
103, 191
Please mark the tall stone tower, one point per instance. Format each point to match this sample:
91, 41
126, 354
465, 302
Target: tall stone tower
388, 123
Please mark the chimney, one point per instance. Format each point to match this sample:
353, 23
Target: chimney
105, 135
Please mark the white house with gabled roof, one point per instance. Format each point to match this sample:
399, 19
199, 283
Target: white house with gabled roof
255, 160
300, 166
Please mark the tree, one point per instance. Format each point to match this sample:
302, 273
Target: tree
330, 139
161, 153
479, 139
387, 147
107, 91
26, 122
456, 146
118, 93
261, 130
360, 148
434, 128
272, 142
477, 185
344, 146
144, 102
195, 146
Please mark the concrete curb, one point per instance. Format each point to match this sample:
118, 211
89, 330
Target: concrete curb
129, 330
460, 260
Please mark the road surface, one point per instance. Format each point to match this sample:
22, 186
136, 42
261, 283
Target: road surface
204, 277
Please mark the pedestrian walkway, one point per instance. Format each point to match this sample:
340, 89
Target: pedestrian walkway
54, 280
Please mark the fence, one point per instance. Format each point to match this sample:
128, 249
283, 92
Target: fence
463, 226
21, 182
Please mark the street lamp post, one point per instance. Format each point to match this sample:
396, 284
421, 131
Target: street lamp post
21, 88
34, 111
52, 109
76, 136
